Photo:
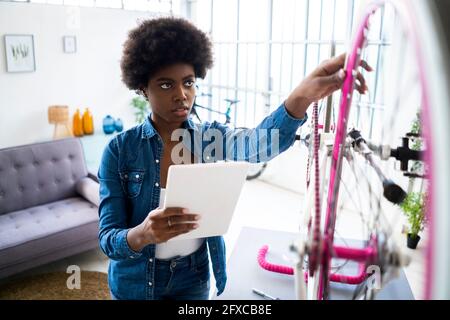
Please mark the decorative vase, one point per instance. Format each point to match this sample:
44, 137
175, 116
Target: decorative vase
412, 241
108, 124
77, 124
88, 122
118, 125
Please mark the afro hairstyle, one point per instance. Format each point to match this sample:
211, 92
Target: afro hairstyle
160, 42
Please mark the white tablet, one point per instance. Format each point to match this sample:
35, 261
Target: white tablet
211, 190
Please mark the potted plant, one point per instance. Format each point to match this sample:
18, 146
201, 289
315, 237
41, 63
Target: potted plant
414, 208
414, 204
141, 107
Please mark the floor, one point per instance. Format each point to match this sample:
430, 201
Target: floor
264, 206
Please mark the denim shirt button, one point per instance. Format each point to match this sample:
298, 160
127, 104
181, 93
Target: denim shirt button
157, 160
150, 284
150, 260
156, 184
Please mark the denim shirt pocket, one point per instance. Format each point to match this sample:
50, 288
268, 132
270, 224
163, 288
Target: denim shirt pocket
132, 182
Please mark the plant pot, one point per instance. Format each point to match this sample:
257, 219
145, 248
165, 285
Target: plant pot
411, 241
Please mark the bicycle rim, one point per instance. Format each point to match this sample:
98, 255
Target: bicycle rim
418, 20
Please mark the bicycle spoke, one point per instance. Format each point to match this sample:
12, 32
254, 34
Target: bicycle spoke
357, 180
358, 207
376, 209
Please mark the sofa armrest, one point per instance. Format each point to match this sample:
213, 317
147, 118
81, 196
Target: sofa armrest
89, 189
93, 176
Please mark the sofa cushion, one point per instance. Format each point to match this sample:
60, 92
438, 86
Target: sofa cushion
89, 190
31, 232
39, 173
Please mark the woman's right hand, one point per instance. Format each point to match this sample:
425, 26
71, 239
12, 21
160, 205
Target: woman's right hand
161, 225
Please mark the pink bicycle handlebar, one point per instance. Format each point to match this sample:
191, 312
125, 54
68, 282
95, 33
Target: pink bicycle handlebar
334, 277
270, 266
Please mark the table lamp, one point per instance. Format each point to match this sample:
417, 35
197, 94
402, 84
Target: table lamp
59, 116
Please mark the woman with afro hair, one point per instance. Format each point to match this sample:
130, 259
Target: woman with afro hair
162, 59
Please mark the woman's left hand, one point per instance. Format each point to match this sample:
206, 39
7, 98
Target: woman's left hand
321, 83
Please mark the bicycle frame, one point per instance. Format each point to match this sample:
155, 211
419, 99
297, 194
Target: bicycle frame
254, 172
227, 113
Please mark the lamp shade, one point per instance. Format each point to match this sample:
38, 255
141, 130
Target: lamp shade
58, 114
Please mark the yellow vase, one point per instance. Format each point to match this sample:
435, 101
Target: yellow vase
77, 124
88, 122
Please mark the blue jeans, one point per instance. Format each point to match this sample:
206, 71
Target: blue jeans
182, 278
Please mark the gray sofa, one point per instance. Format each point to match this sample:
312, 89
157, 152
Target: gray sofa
48, 204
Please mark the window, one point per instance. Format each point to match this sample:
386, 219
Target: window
276, 42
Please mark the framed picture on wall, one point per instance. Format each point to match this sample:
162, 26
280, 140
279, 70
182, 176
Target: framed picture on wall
19, 53
70, 44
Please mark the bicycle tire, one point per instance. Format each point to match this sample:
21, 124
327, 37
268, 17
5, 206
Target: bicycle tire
262, 165
258, 173
429, 34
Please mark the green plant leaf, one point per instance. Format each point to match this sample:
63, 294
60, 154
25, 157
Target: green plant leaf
141, 107
414, 209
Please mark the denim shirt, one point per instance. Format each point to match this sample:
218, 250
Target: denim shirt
129, 176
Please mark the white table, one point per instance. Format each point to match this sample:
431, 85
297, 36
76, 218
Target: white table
244, 272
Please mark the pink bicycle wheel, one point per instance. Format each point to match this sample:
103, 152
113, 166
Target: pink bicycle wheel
416, 24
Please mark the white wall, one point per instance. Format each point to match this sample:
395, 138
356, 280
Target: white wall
89, 78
